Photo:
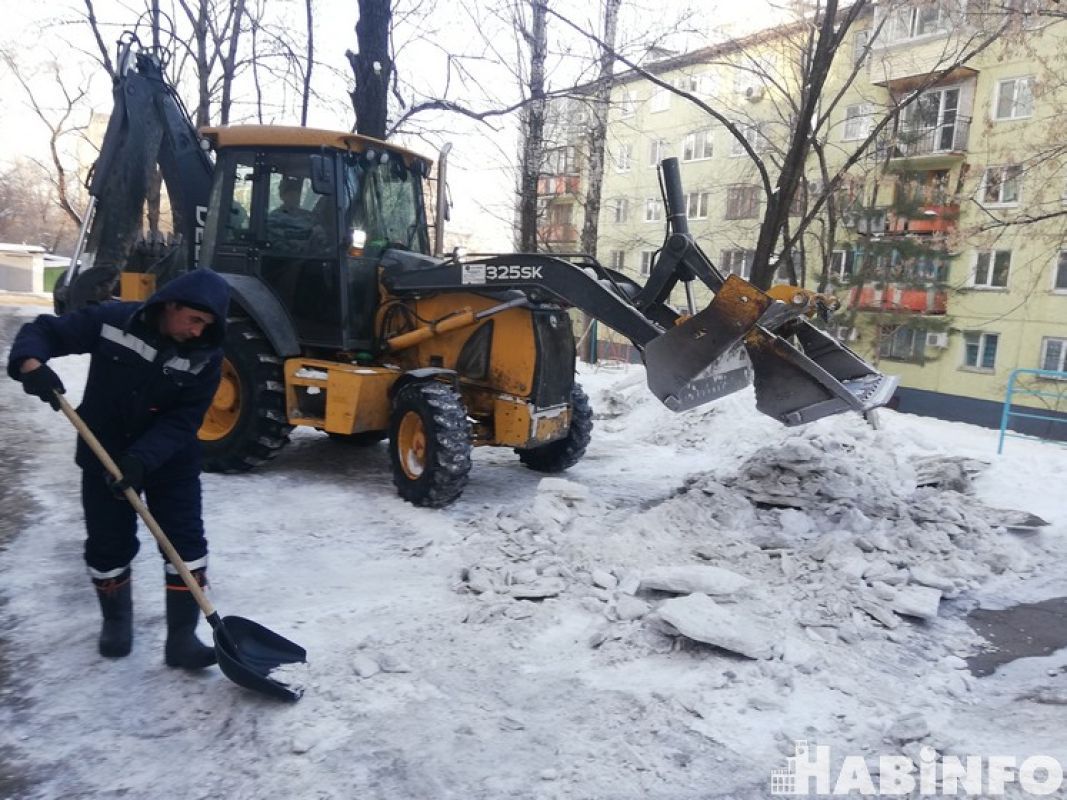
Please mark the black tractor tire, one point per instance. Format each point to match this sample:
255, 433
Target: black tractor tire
429, 443
261, 428
361, 439
566, 452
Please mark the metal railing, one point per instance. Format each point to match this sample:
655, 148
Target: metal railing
1059, 395
948, 137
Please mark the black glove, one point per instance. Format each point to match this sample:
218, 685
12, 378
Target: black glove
43, 383
132, 475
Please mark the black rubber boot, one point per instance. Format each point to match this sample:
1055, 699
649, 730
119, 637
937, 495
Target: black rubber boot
116, 605
183, 649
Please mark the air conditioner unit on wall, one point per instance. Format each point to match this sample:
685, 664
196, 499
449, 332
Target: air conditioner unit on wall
754, 92
937, 340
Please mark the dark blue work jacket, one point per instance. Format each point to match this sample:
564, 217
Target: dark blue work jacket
146, 394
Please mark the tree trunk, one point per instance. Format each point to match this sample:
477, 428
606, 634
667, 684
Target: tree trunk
229, 63
598, 131
310, 64
533, 127
372, 67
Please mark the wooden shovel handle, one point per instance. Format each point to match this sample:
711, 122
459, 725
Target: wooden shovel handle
138, 505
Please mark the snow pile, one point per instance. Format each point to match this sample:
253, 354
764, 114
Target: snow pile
826, 530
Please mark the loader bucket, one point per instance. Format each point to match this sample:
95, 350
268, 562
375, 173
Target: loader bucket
745, 336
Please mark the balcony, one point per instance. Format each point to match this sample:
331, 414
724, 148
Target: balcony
930, 219
558, 233
557, 185
930, 147
897, 298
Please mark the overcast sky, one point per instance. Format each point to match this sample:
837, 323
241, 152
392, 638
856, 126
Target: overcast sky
482, 160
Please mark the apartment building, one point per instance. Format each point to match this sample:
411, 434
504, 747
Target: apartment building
942, 282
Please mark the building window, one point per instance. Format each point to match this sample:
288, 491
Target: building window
980, 350
991, 269
921, 19
1014, 99
1054, 354
647, 257
859, 46
697, 146
561, 214
561, 161
621, 210
841, 264
657, 151
902, 344
661, 99
697, 205
624, 157
653, 209
701, 84
738, 262
628, 104
742, 202
1000, 185
858, 122
1059, 281
753, 135
618, 259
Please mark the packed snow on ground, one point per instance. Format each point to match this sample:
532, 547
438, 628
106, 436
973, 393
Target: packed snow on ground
662, 621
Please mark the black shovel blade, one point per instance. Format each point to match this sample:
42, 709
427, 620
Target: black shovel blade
248, 653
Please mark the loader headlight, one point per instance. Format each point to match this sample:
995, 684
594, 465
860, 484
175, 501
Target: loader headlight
357, 241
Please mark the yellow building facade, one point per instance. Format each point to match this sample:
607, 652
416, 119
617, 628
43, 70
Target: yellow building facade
978, 148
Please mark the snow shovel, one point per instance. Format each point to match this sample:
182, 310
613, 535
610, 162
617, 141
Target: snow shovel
247, 652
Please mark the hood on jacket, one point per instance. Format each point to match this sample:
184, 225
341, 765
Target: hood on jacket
200, 288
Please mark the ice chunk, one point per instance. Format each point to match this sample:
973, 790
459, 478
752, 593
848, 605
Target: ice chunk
699, 617
917, 601
689, 579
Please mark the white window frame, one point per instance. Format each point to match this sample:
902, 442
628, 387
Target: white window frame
657, 149
660, 100
1004, 181
983, 344
628, 104
653, 209
995, 106
618, 260
698, 145
729, 258
696, 205
987, 284
904, 25
624, 157
842, 260
645, 267
753, 135
620, 210
859, 120
1059, 264
1061, 366
859, 46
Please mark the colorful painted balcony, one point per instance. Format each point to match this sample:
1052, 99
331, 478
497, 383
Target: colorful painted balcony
555, 185
898, 298
928, 219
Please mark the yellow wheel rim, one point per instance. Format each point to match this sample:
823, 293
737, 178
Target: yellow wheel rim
225, 409
411, 445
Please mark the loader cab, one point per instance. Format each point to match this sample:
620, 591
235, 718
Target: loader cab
311, 220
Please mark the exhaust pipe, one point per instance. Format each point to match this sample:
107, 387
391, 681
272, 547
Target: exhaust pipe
441, 215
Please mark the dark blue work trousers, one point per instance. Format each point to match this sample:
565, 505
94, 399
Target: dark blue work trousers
172, 494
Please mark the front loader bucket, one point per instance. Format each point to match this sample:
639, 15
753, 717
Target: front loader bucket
819, 378
744, 336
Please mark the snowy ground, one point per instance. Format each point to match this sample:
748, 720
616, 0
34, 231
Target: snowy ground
510, 645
